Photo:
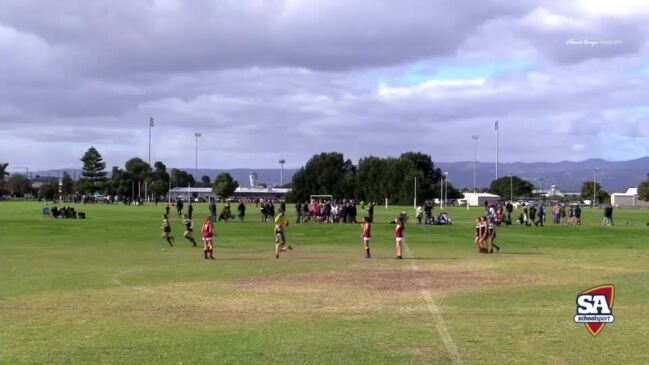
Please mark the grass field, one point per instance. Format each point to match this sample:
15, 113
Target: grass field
109, 290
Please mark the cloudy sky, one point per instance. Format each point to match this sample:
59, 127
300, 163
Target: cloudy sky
265, 79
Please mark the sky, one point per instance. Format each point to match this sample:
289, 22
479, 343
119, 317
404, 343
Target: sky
285, 79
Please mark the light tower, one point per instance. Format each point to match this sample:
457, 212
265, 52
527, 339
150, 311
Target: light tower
253, 179
281, 171
196, 134
475, 158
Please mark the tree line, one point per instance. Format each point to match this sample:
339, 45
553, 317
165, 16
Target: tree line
372, 179
129, 181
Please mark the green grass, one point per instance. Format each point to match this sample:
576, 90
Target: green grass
109, 290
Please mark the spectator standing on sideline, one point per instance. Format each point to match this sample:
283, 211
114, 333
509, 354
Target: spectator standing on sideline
298, 212
271, 209
179, 207
577, 214
242, 211
540, 215
428, 209
608, 216
213, 209
419, 213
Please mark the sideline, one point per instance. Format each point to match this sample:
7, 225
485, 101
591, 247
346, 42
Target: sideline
433, 309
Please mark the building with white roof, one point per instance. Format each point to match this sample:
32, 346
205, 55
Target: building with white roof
628, 199
478, 199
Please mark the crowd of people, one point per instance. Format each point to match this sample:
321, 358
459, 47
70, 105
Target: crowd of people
485, 234
331, 211
65, 212
425, 213
267, 209
566, 214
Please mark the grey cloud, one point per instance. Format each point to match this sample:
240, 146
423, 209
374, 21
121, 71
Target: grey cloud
108, 38
263, 80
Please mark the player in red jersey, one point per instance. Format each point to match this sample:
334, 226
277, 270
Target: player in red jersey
208, 235
398, 235
366, 236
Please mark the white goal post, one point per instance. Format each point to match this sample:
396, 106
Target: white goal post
326, 198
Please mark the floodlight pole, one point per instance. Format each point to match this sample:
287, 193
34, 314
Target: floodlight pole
594, 186
441, 191
146, 183
511, 188
151, 124
475, 158
445, 187
497, 146
414, 204
281, 172
197, 134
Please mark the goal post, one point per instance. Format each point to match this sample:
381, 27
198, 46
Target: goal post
325, 198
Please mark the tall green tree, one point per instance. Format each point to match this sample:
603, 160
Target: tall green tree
180, 178
3, 171
394, 178
140, 172
372, 179
20, 185
121, 182
93, 175
325, 173
3, 174
427, 175
49, 190
224, 185
67, 187
138, 169
503, 187
206, 181
160, 180
587, 192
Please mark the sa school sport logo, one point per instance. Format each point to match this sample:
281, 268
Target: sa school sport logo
595, 308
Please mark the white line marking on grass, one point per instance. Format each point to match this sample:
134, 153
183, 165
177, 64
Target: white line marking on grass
117, 281
437, 316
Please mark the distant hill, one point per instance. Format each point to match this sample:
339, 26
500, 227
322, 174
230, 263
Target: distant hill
615, 176
569, 176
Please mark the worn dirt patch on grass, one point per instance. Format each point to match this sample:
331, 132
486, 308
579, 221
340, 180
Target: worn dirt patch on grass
344, 294
379, 281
